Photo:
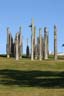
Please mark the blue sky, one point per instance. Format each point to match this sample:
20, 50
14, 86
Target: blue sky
46, 13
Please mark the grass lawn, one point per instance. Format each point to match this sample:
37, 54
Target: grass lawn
31, 78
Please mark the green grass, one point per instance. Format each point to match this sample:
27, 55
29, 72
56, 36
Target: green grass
31, 78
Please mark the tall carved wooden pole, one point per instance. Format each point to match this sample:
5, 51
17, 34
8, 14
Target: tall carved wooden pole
35, 41
7, 47
55, 42
40, 43
20, 50
32, 40
45, 43
32, 51
17, 55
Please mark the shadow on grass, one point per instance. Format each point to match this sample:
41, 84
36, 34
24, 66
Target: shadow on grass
44, 79
3, 55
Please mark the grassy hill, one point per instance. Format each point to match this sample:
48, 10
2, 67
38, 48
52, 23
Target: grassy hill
31, 78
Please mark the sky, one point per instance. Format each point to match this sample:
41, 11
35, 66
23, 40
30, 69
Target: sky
46, 13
